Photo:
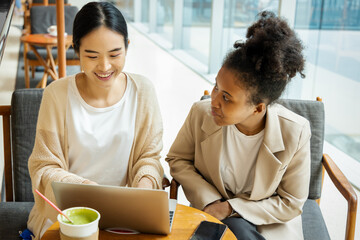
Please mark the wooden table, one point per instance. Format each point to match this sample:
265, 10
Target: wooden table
185, 222
48, 42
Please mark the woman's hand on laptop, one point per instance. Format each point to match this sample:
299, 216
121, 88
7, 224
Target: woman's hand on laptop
145, 182
89, 182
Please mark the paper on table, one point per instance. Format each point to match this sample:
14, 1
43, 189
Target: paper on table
121, 231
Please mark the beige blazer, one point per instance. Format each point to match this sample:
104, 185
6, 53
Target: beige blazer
282, 170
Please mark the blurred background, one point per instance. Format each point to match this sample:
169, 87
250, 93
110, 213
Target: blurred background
180, 44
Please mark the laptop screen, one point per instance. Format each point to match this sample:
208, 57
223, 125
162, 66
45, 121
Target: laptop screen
142, 210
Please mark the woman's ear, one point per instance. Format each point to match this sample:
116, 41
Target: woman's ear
260, 108
128, 43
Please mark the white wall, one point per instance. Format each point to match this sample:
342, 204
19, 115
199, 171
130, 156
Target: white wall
80, 3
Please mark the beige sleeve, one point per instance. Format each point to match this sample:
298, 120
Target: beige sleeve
181, 159
47, 162
148, 140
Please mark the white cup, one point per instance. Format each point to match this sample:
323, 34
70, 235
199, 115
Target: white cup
52, 30
79, 230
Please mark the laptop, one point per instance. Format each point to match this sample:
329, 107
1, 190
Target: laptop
121, 208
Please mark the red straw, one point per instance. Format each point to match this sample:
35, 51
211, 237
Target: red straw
53, 205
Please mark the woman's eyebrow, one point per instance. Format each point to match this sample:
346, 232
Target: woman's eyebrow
223, 90
90, 51
226, 93
115, 49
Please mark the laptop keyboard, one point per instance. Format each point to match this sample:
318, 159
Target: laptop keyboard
172, 209
171, 213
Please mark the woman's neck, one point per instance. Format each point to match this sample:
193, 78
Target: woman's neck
254, 126
101, 97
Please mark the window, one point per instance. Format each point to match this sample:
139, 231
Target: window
330, 32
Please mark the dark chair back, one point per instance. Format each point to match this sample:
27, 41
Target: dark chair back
44, 16
314, 112
19, 126
25, 106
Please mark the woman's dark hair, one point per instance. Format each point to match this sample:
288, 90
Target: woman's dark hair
94, 15
267, 60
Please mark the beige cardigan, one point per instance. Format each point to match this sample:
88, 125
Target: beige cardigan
49, 159
282, 170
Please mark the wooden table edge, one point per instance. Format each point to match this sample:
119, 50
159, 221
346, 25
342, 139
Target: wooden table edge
53, 232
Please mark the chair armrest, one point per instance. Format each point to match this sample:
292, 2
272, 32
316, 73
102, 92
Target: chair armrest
174, 189
165, 182
345, 188
5, 113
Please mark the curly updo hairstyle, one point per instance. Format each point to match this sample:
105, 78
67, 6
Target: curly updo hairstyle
267, 60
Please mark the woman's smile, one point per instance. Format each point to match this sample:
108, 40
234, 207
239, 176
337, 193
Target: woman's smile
104, 76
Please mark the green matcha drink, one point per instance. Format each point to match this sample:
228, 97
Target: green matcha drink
85, 223
80, 216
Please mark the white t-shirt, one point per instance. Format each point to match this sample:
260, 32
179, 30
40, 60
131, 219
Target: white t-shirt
238, 158
100, 139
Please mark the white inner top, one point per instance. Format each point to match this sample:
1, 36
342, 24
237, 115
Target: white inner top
100, 139
238, 158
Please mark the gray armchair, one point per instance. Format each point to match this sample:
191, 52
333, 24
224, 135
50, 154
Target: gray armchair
19, 125
314, 226
313, 222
